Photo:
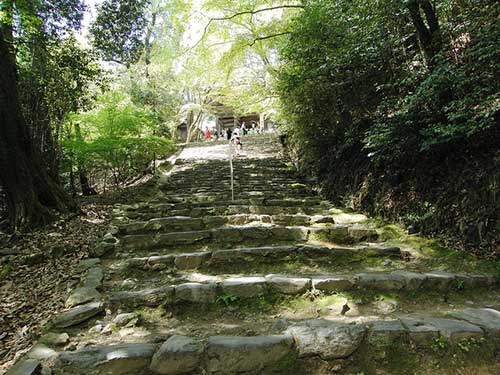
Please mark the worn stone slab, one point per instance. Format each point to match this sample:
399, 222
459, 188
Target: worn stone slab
183, 238
439, 280
54, 339
321, 219
228, 355
82, 295
227, 235
138, 241
455, 330
93, 278
125, 359
132, 228
412, 280
326, 339
489, 319
174, 222
380, 281
334, 233
245, 287
40, 352
289, 233
160, 262
25, 367
191, 260
384, 332
361, 233
196, 292
258, 252
471, 281
140, 263
420, 331
288, 285
148, 297
78, 314
123, 319
178, 355
214, 221
334, 283
291, 220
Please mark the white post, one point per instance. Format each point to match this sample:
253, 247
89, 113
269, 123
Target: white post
231, 170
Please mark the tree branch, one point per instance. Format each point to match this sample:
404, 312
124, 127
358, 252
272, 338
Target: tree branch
237, 14
268, 37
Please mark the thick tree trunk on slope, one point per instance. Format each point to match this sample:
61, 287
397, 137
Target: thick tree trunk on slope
429, 35
30, 192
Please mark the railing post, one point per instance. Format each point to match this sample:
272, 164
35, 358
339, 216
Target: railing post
231, 169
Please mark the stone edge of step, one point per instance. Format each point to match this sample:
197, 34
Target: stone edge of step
194, 260
310, 338
255, 286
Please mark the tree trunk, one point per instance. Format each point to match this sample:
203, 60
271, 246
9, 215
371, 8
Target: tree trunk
82, 173
429, 35
147, 43
29, 190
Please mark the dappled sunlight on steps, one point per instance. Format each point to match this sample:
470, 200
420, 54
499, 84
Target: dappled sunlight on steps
277, 281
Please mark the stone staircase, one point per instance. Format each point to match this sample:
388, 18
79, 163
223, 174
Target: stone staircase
276, 281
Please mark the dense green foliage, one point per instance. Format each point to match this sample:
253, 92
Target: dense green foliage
117, 141
388, 127
118, 31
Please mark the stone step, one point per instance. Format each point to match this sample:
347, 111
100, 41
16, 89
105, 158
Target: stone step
287, 352
235, 235
213, 237
268, 202
255, 286
225, 186
186, 223
225, 176
226, 196
246, 256
160, 208
169, 209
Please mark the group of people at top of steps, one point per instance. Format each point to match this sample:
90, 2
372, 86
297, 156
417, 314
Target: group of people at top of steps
228, 133
233, 135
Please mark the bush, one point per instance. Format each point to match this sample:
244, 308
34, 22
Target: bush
387, 128
116, 142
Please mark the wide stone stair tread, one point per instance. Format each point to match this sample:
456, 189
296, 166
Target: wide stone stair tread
262, 254
234, 354
251, 233
252, 286
188, 223
208, 209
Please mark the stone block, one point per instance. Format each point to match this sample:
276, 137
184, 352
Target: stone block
228, 355
196, 292
124, 359
78, 314
334, 283
82, 295
178, 355
191, 260
288, 285
147, 297
245, 287
488, 319
380, 281
326, 339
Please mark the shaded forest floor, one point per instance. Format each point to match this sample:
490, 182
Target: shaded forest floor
38, 268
